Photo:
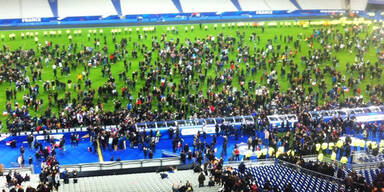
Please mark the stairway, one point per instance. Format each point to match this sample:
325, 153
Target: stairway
136, 182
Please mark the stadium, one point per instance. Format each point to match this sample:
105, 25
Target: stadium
191, 95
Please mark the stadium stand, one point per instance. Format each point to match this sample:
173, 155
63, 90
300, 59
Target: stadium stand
36, 8
280, 176
74, 8
372, 158
358, 4
256, 5
10, 9
136, 182
368, 174
130, 7
283, 5
190, 6
33, 181
266, 5
326, 4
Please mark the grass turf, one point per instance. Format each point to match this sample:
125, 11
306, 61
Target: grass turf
97, 79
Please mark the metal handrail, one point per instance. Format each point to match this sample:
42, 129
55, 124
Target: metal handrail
100, 166
337, 163
369, 165
20, 169
260, 162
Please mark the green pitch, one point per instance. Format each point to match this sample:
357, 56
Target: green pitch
95, 73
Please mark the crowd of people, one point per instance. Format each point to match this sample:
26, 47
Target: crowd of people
49, 179
355, 181
231, 181
15, 179
164, 59
50, 174
352, 180
220, 62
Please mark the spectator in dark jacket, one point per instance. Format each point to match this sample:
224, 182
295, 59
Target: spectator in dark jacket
201, 179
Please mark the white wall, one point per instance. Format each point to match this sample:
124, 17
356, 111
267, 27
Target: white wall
10, 9
190, 6
35, 8
132, 7
253, 5
69, 8
358, 4
321, 4
280, 4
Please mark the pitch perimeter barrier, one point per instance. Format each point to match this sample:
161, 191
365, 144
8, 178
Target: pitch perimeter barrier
116, 165
208, 125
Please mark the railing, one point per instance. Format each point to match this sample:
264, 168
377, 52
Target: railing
310, 172
258, 162
336, 163
20, 170
115, 165
309, 157
207, 124
376, 114
370, 165
361, 154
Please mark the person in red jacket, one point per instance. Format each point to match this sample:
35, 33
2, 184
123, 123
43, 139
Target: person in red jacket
237, 153
254, 187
